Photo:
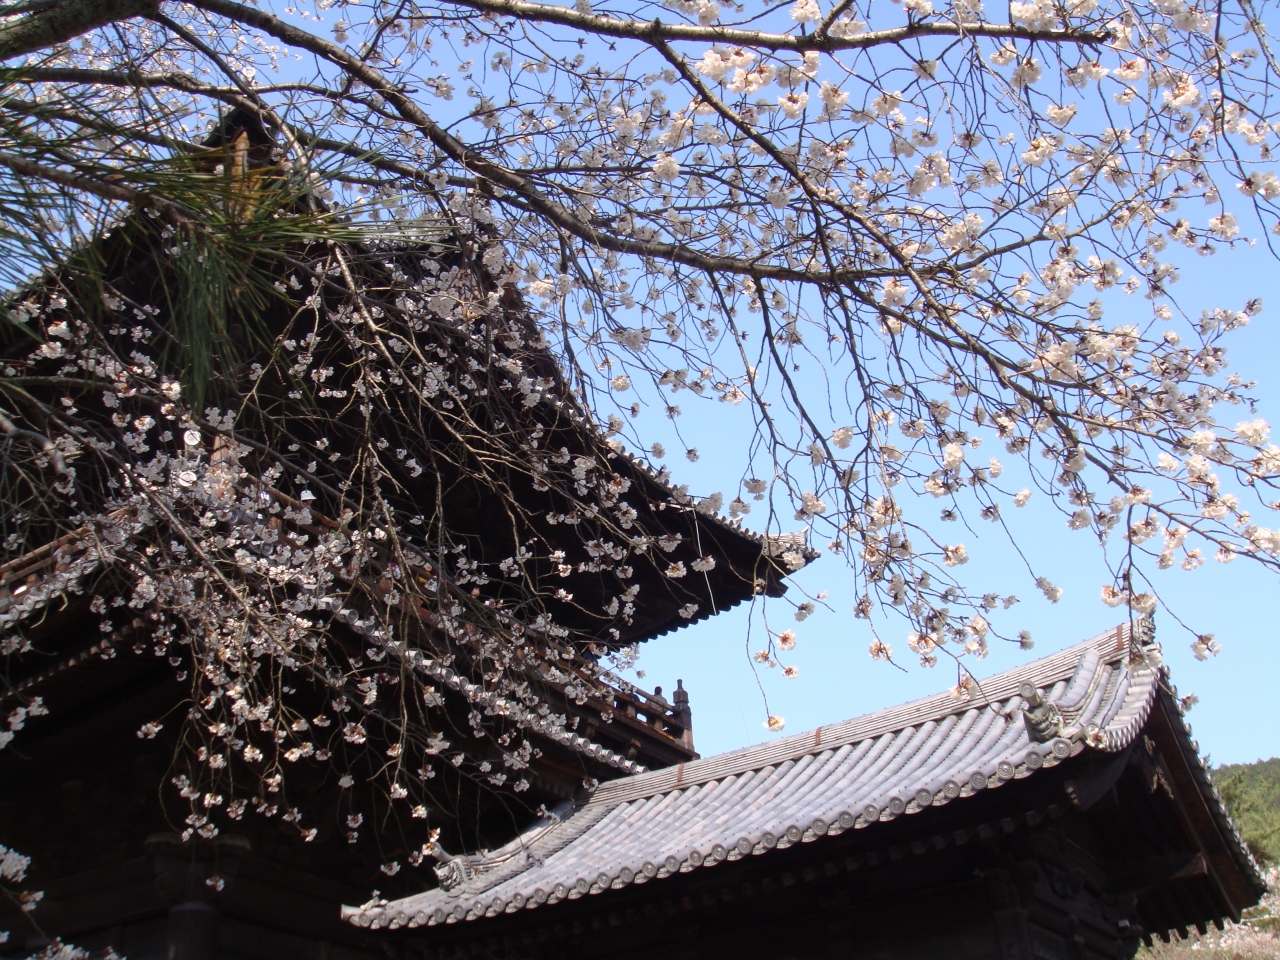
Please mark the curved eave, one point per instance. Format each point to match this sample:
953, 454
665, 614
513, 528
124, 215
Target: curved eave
808, 788
755, 553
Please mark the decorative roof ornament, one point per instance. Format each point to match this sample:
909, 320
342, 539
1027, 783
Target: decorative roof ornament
450, 871
1044, 720
1142, 633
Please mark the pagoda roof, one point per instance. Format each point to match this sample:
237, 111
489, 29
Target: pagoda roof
749, 563
1096, 697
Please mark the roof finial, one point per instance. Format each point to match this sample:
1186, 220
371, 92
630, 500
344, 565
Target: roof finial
683, 715
450, 870
1044, 720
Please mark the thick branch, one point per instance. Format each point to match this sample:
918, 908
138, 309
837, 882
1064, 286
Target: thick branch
47, 446
65, 21
176, 79
48, 111
652, 30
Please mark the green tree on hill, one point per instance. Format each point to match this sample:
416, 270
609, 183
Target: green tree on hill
1252, 792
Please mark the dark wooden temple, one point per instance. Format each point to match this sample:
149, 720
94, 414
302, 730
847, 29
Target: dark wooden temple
1063, 814
92, 801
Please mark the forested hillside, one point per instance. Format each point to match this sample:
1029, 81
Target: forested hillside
1253, 794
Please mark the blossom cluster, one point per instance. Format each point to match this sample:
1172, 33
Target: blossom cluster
307, 554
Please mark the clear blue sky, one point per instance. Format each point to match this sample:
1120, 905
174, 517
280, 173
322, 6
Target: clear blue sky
1235, 719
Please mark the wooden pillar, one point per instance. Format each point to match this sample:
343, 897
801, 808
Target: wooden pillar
193, 930
191, 877
1013, 934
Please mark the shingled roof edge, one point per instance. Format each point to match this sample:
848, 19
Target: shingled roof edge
1108, 686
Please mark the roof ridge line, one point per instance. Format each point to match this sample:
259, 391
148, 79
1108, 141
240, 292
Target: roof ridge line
834, 735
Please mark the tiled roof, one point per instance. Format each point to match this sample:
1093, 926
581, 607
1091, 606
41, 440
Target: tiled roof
772, 545
847, 776
82, 559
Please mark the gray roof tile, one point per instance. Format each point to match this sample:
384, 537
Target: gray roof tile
839, 777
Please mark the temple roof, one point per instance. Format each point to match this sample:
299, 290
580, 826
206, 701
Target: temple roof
747, 563
1096, 696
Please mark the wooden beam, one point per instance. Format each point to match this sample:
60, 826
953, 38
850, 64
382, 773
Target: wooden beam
1148, 873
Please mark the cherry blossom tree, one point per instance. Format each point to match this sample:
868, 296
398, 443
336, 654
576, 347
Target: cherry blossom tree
929, 247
